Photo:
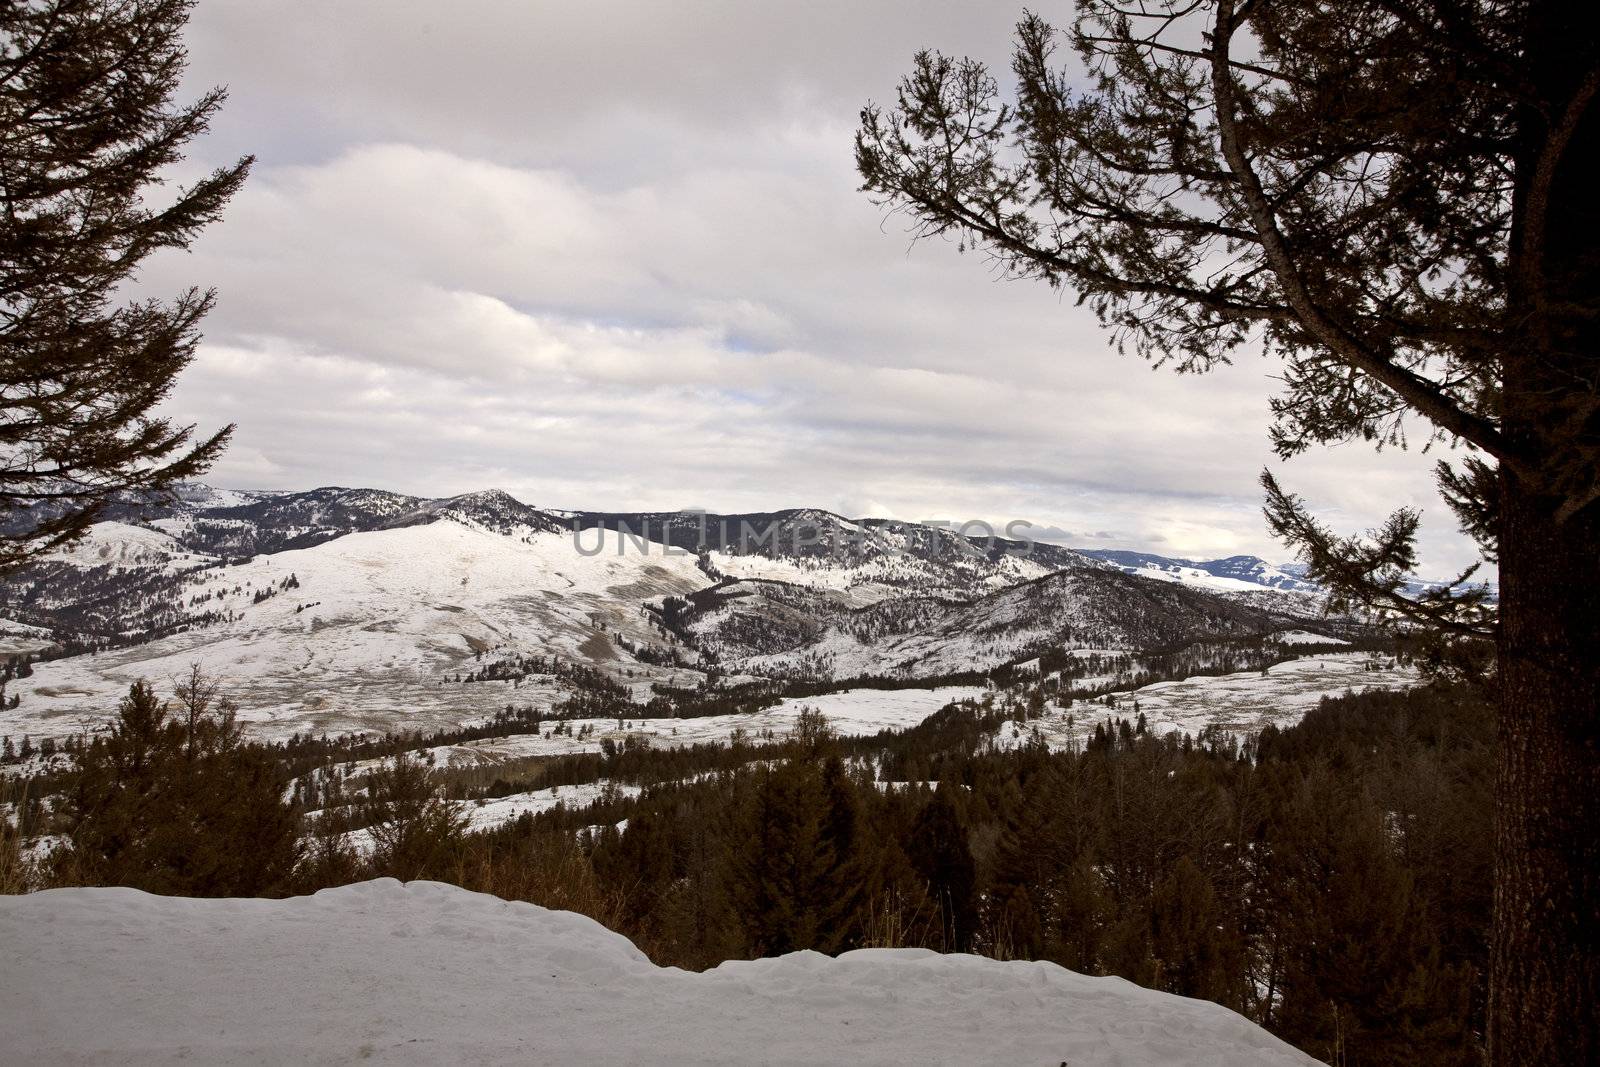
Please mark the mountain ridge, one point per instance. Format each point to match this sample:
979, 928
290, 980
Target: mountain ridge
228, 522
352, 609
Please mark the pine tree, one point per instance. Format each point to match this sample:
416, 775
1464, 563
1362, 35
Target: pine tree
942, 855
416, 833
784, 893
147, 809
855, 876
14, 872
1187, 937
87, 126
1396, 199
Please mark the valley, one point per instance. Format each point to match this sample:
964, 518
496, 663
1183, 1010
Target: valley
365, 612
836, 734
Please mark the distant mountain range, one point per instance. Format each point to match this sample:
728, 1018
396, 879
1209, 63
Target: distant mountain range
1233, 572
227, 522
360, 608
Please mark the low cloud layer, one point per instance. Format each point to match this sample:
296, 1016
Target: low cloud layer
612, 255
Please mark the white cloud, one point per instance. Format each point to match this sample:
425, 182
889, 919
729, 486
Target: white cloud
612, 255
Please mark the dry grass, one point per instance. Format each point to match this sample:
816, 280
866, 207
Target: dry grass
16, 874
557, 875
891, 923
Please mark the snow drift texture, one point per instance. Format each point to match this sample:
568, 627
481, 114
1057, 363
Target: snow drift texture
428, 973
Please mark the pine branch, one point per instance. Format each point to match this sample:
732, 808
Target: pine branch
1370, 572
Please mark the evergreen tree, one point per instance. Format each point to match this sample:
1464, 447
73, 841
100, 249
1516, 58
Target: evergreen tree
146, 809
855, 877
87, 126
942, 855
14, 875
1396, 198
1188, 941
330, 859
416, 833
784, 875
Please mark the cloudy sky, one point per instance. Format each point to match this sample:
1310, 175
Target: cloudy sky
611, 255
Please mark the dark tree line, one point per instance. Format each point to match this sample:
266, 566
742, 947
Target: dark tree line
105, 606
1330, 881
174, 800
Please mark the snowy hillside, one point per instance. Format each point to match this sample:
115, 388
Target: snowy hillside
1083, 607
372, 626
866, 560
1236, 574
1240, 703
19, 637
427, 973
1233, 574
123, 545
339, 610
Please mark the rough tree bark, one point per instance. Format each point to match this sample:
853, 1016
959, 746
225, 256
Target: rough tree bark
1545, 950
1545, 959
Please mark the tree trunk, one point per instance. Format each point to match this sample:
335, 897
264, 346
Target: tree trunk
1544, 1004
1545, 962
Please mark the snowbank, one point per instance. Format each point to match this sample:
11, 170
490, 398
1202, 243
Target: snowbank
427, 973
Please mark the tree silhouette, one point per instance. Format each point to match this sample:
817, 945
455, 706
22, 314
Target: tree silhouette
1395, 197
87, 128
185, 807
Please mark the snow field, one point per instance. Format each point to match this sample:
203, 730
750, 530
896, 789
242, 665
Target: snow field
851, 713
120, 543
489, 814
1241, 703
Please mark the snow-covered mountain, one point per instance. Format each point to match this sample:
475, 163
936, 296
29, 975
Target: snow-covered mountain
492, 509
365, 631
280, 521
1240, 574
359, 609
427, 973
1233, 573
764, 627
867, 559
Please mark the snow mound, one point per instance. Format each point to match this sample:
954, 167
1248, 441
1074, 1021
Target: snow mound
428, 973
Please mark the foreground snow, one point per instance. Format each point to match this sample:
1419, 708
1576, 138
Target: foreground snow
427, 973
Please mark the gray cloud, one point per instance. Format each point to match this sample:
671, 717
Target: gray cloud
612, 255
